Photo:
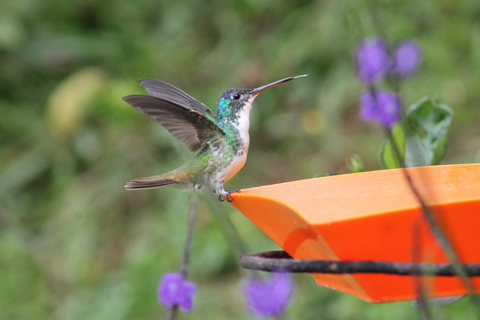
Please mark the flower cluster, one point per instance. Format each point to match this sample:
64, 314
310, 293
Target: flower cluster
380, 106
374, 63
268, 298
174, 290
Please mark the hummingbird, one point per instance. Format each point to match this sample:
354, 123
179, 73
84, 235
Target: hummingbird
221, 141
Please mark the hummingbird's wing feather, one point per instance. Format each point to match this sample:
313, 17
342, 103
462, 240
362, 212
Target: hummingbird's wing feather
184, 123
174, 95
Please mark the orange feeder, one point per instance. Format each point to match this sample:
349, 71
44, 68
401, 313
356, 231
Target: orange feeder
373, 216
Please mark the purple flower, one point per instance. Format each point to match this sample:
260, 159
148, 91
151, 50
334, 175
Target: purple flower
372, 60
175, 290
268, 298
406, 59
383, 107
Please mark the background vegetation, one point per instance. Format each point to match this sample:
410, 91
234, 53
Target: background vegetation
75, 245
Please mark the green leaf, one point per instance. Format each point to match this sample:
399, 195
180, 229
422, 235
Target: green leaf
388, 157
428, 124
421, 138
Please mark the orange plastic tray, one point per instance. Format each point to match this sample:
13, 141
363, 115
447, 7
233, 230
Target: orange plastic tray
372, 216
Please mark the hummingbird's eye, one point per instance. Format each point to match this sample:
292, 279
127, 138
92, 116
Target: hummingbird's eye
236, 96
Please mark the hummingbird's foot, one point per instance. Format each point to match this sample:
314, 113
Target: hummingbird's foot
229, 199
222, 199
227, 193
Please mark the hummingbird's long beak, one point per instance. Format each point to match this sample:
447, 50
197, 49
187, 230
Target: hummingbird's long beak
273, 84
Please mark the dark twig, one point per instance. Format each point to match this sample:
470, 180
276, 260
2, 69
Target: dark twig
274, 260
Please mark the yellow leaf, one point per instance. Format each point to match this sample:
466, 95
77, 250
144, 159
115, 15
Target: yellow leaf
68, 102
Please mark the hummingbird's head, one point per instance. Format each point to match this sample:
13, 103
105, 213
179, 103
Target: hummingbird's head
233, 101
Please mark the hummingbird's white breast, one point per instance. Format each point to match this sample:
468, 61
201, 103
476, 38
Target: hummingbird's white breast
242, 125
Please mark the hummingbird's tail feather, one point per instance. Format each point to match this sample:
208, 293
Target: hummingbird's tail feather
151, 182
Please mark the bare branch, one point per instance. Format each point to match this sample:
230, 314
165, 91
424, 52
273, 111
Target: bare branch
274, 260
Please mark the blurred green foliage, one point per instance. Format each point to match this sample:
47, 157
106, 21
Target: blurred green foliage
75, 245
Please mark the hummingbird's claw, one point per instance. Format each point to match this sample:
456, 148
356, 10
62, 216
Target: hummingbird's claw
229, 199
228, 192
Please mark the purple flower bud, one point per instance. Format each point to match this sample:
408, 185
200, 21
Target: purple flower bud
372, 60
268, 298
406, 59
175, 290
384, 107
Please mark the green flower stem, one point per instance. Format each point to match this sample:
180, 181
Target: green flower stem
172, 313
378, 22
436, 230
192, 218
227, 226
183, 268
422, 295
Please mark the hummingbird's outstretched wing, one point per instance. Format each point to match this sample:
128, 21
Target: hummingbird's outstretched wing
174, 95
185, 122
